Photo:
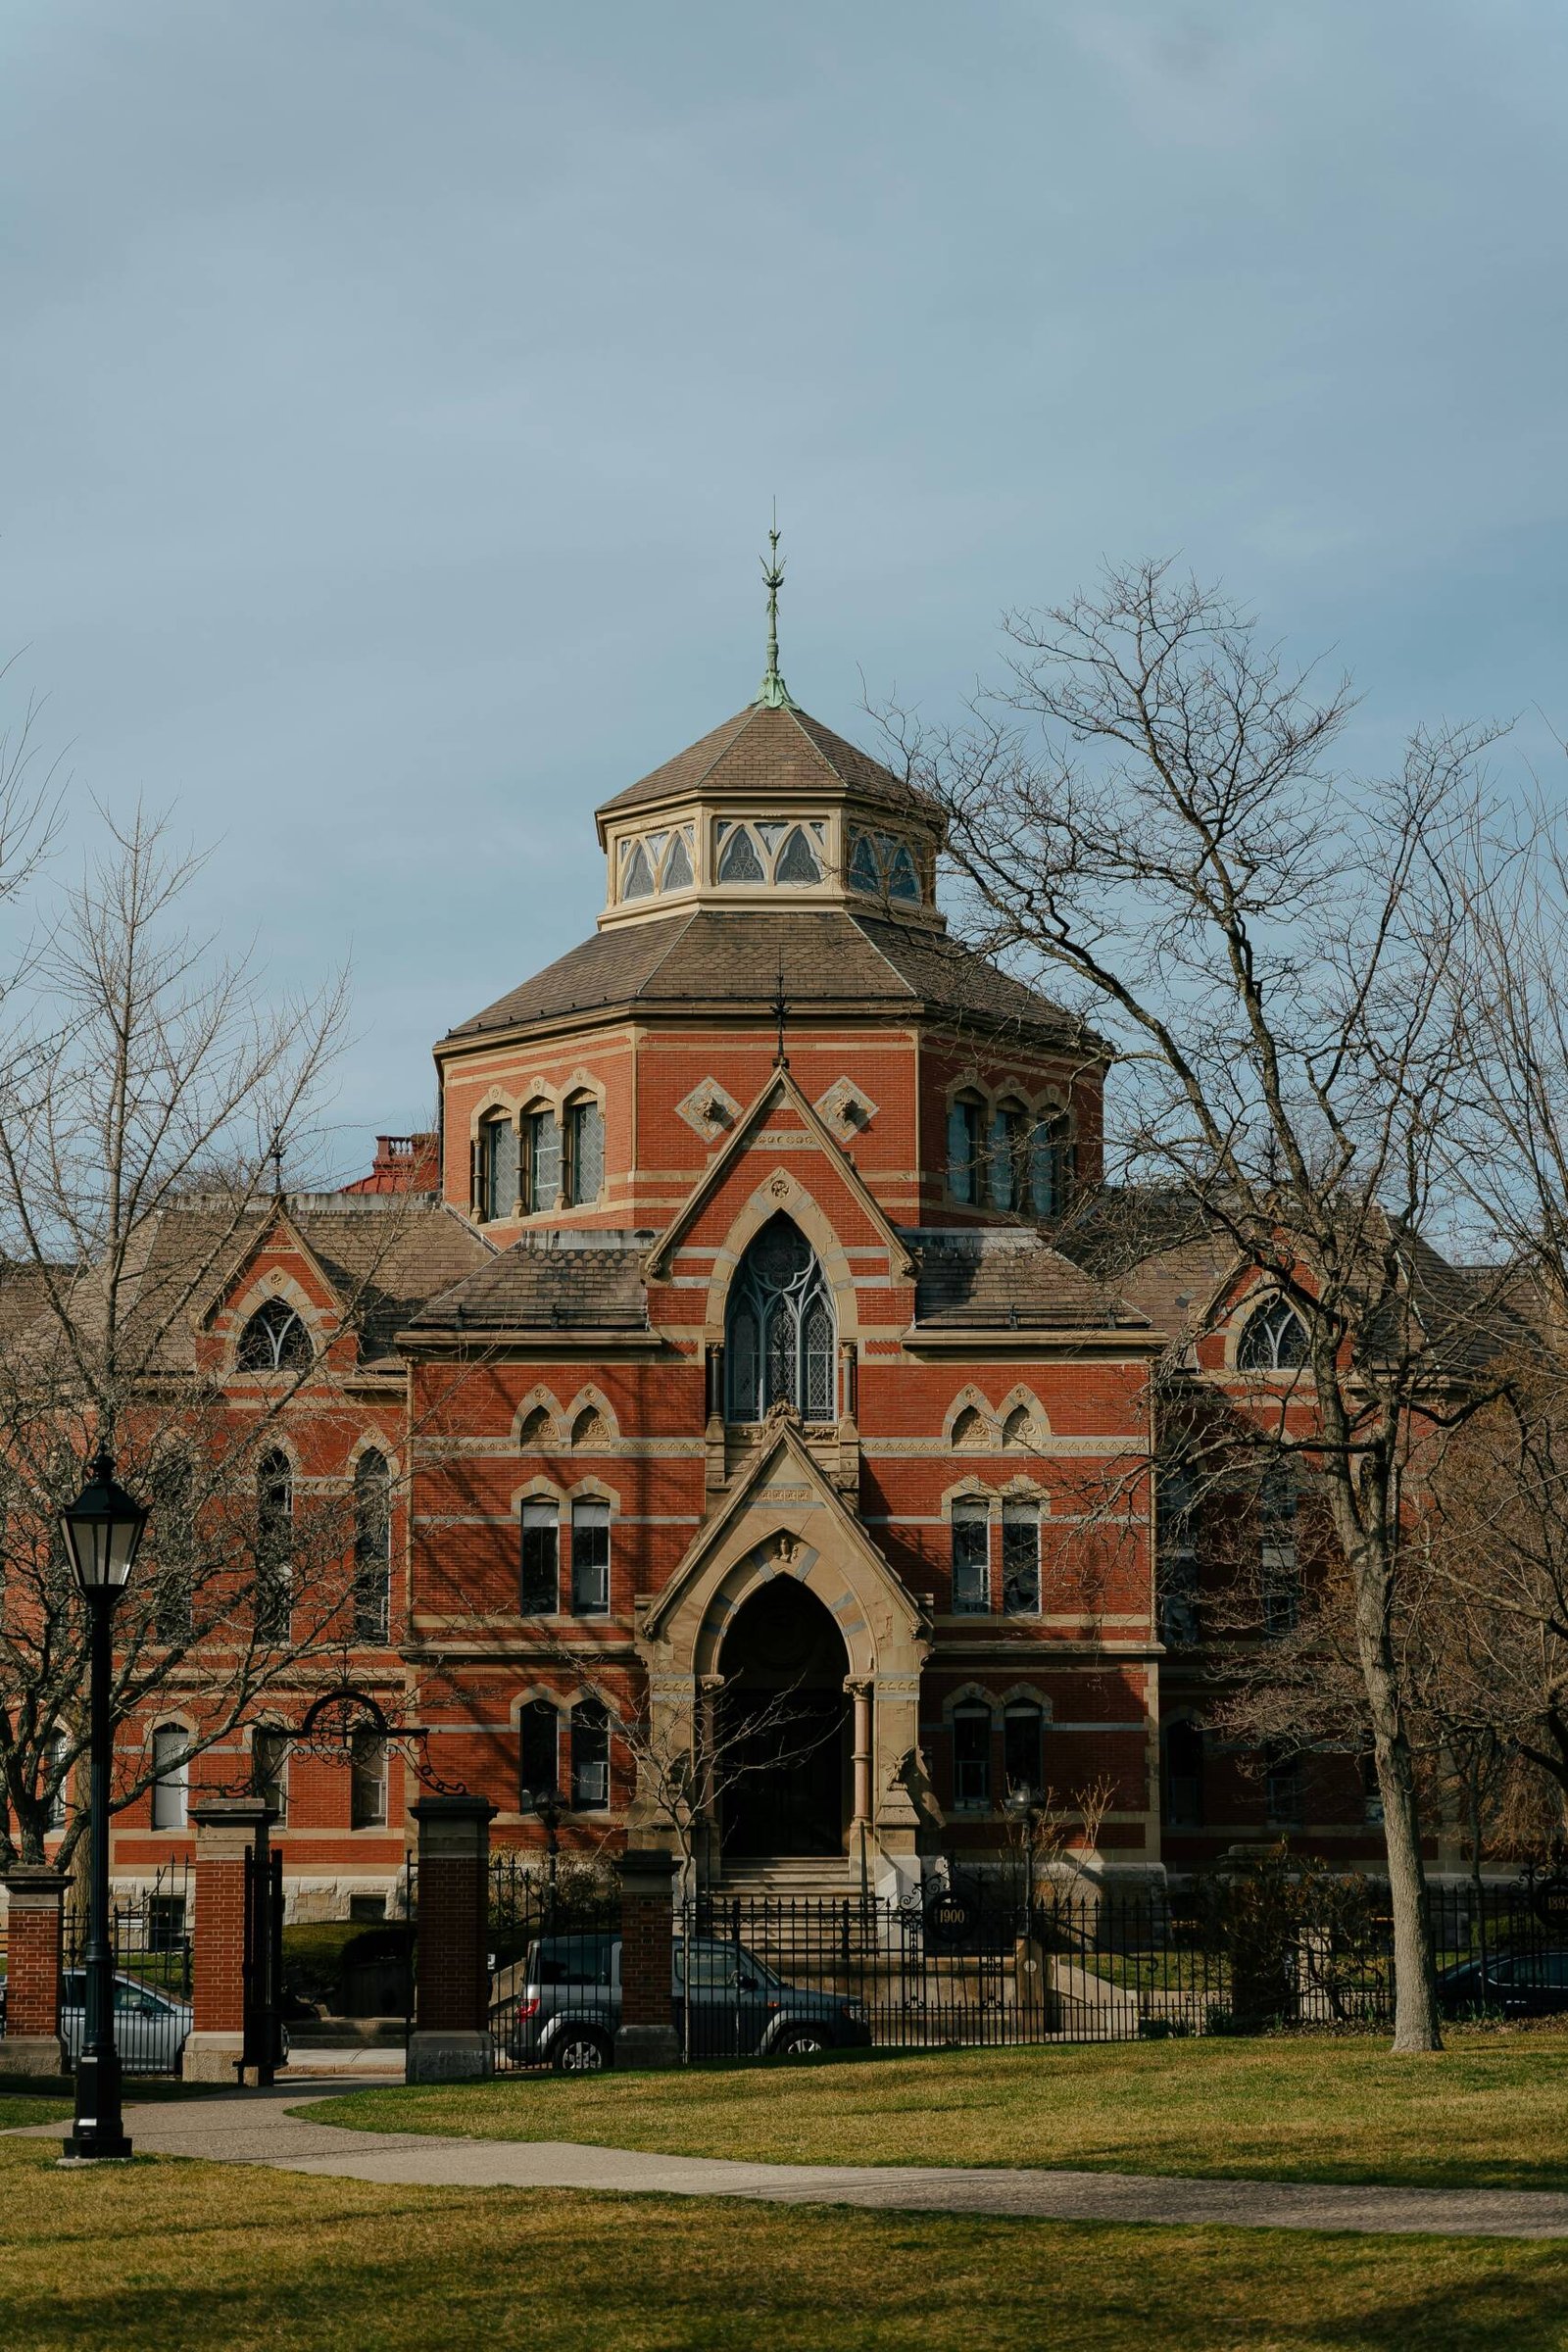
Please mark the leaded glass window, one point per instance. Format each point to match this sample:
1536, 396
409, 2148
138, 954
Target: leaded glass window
798, 861
639, 876
1007, 1127
585, 1152
738, 860
780, 1332
862, 865
903, 880
678, 864
542, 1141
498, 1168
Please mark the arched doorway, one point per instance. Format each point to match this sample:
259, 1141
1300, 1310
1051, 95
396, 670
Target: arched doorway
784, 1722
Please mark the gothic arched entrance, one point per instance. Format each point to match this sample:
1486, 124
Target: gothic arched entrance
784, 1726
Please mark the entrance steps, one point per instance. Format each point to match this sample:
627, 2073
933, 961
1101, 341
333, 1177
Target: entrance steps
788, 1878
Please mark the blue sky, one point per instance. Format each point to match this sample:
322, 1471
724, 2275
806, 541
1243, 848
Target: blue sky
394, 394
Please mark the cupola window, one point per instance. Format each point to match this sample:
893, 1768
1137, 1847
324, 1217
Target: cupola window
654, 862
770, 850
884, 867
780, 1332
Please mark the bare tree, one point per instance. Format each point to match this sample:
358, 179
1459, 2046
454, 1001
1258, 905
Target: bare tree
1148, 821
135, 1062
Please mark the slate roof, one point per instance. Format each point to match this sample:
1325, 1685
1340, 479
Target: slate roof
766, 750
827, 955
554, 1280
1007, 1278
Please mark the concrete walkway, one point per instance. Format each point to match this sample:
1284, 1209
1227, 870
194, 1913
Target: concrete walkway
274, 2128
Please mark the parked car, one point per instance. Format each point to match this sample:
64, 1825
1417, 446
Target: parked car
150, 2027
566, 2008
1532, 1981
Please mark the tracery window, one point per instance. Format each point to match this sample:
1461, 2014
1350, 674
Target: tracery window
498, 1167
1274, 1341
780, 1333
654, 862
884, 867
275, 1340
770, 849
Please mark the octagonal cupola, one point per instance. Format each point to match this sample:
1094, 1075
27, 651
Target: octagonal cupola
772, 808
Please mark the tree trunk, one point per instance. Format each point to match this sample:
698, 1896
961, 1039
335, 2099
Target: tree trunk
1415, 1997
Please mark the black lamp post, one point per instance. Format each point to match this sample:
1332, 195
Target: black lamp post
102, 1530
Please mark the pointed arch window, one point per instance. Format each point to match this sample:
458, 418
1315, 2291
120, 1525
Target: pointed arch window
372, 1548
780, 1329
1274, 1341
275, 1340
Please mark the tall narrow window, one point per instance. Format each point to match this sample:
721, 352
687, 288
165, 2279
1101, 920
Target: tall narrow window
972, 1556
539, 1762
1282, 1791
275, 1340
1008, 1128
174, 1539
1279, 1563
1184, 1774
372, 1548
274, 1544
498, 1167
541, 1135
585, 1152
541, 1559
590, 1757
1051, 1164
1177, 1555
781, 1331
52, 1781
1023, 1748
963, 1149
1020, 1559
367, 1780
971, 1756
590, 1557
171, 1767
270, 1769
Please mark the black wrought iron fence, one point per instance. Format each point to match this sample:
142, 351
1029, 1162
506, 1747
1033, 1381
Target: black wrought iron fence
150, 1937
973, 1965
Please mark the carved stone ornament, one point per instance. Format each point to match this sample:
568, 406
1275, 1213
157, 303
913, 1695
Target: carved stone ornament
846, 1109
709, 1110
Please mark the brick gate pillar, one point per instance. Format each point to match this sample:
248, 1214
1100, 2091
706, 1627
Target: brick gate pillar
225, 1829
646, 2035
450, 2038
31, 2044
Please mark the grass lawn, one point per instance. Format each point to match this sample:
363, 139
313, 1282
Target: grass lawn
1491, 2111
161, 2256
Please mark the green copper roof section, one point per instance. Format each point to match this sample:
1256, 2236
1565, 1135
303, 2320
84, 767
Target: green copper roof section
773, 693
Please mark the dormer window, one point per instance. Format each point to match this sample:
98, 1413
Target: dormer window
275, 1340
770, 849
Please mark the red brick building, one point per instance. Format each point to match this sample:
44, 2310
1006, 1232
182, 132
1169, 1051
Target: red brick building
763, 1342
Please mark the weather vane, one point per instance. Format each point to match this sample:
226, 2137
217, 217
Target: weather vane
774, 694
